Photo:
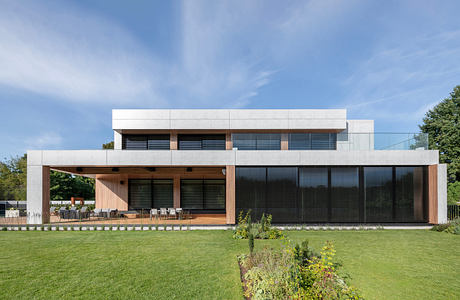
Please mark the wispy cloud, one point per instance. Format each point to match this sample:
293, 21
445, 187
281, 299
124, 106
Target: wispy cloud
48, 140
67, 53
405, 80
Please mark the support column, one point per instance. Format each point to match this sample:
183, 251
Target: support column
284, 141
442, 193
228, 141
176, 193
38, 194
230, 194
433, 194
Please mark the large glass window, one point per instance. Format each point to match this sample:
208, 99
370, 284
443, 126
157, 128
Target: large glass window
313, 185
312, 141
333, 194
148, 193
378, 194
282, 201
257, 141
344, 195
251, 190
198, 194
146, 142
201, 141
409, 194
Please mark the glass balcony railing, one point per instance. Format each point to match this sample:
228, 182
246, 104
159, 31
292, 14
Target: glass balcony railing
381, 141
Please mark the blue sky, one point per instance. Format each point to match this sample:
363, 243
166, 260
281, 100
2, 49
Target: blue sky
65, 64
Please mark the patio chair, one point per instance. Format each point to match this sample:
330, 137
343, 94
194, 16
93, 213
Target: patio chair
154, 213
73, 213
172, 213
112, 213
96, 213
179, 212
105, 212
52, 210
84, 213
62, 213
163, 212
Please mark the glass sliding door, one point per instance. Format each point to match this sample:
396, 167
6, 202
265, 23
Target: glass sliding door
409, 202
378, 194
250, 190
314, 194
344, 195
206, 195
282, 201
140, 194
163, 193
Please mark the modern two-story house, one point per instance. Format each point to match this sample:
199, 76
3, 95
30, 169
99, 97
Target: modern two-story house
300, 165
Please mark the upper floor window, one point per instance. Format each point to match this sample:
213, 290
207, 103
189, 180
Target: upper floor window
201, 141
312, 141
257, 141
146, 142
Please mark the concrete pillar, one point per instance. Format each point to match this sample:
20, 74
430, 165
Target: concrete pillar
230, 194
176, 191
38, 194
442, 193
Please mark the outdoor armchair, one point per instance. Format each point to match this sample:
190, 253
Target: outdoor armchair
154, 213
172, 213
163, 212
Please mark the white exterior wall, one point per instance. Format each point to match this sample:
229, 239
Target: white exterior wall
34, 194
228, 119
442, 193
359, 135
117, 140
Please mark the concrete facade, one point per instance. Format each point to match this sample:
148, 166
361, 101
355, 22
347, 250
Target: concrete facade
355, 147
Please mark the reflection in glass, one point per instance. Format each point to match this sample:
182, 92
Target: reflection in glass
313, 187
344, 195
378, 194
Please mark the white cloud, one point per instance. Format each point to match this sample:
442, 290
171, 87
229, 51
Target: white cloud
44, 140
406, 80
71, 54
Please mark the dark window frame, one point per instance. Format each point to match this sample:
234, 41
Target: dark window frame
165, 143
202, 141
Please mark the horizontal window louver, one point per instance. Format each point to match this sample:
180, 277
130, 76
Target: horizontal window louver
299, 141
140, 194
192, 194
159, 142
214, 194
146, 142
257, 141
163, 193
135, 142
201, 142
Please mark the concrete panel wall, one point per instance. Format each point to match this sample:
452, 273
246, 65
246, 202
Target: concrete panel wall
442, 193
35, 192
333, 119
359, 135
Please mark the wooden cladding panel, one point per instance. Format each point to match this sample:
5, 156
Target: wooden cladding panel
228, 141
173, 141
45, 194
230, 195
176, 192
284, 141
111, 192
433, 194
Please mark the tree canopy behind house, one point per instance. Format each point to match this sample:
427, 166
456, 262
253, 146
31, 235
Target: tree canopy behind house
13, 182
443, 128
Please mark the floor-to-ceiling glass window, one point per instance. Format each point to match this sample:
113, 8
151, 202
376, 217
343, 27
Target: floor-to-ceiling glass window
313, 185
409, 194
378, 194
282, 201
257, 141
250, 190
206, 195
148, 193
344, 194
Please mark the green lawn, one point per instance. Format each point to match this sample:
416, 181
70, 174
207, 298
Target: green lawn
409, 264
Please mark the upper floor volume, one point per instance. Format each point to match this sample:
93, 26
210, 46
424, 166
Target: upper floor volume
252, 129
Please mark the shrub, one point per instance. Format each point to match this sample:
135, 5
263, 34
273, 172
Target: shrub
260, 230
295, 272
451, 227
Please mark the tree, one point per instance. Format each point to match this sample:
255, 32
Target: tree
13, 178
108, 145
443, 128
63, 186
